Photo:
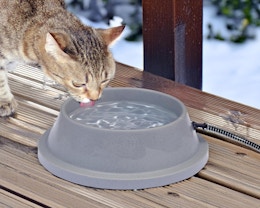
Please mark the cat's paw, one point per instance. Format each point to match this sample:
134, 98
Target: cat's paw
7, 108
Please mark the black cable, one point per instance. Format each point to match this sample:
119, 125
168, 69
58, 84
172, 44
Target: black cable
223, 134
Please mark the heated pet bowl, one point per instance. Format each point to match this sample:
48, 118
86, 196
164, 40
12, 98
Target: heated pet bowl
124, 158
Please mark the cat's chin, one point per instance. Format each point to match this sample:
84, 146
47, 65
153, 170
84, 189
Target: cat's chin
85, 100
87, 103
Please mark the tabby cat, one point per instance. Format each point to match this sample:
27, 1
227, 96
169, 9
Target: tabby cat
44, 33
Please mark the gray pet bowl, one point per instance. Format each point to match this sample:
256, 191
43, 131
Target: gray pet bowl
124, 159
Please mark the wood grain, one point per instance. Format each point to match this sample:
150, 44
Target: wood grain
21, 171
173, 47
8, 199
231, 177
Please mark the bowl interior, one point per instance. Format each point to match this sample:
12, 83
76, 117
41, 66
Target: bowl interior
126, 104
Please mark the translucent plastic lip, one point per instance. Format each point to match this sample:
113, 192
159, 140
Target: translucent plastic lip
124, 159
66, 108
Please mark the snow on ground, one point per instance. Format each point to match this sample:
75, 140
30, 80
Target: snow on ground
230, 70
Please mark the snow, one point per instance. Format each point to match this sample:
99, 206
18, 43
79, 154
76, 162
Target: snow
230, 70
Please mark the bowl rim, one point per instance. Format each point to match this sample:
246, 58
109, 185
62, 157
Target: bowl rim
64, 113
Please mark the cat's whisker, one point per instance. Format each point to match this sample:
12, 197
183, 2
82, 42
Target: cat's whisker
47, 82
62, 96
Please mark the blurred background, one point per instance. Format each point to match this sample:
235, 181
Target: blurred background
231, 61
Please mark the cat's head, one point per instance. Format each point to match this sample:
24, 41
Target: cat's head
81, 61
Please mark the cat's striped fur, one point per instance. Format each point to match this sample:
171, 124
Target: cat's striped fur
44, 33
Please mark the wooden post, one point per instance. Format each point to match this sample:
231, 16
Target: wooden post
172, 32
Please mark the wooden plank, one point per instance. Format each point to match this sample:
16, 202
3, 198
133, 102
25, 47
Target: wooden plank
201, 105
206, 107
8, 199
34, 92
21, 171
130, 77
217, 196
28, 112
17, 134
30, 73
224, 167
173, 47
28, 177
194, 190
126, 76
28, 125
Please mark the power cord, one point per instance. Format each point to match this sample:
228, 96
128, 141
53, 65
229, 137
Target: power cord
208, 129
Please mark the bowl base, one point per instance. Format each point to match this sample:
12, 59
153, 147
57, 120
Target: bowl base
134, 181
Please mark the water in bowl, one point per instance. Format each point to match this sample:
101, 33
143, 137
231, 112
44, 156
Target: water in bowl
123, 115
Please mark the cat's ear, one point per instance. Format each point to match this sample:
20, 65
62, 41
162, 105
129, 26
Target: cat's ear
110, 35
54, 46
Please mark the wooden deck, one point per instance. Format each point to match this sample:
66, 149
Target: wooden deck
231, 177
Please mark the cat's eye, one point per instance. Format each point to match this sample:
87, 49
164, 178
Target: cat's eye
78, 85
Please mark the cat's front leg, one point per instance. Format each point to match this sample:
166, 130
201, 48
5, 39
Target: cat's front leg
8, 104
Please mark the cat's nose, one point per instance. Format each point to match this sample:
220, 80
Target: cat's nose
93, 95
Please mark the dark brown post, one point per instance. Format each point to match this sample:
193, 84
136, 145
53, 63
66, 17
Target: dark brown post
172, 31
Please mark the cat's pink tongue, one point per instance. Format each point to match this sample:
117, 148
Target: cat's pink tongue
88, 104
